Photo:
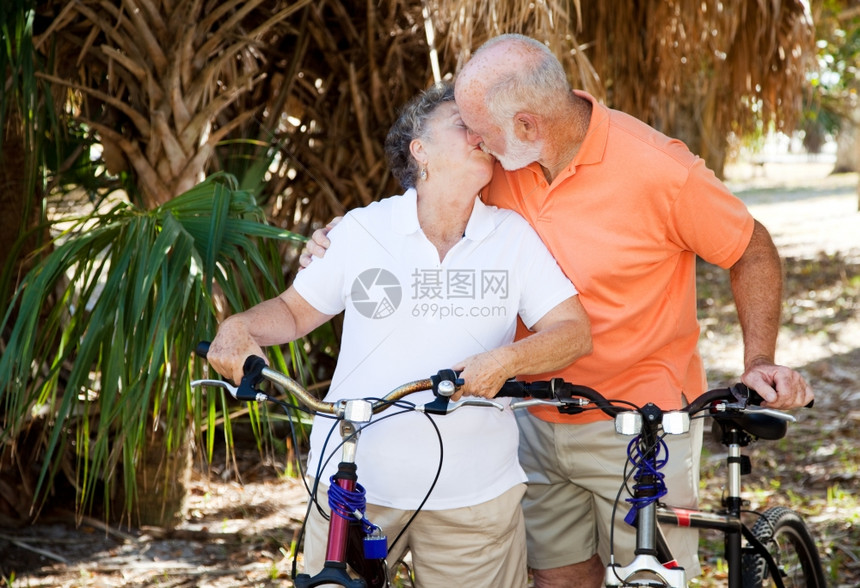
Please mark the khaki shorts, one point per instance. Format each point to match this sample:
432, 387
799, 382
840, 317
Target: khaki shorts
574, 475
476, 546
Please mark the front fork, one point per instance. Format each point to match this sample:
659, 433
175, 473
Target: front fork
728, 521
345, 538
346, 477
649, 538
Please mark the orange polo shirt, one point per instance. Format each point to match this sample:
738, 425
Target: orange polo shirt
625, 222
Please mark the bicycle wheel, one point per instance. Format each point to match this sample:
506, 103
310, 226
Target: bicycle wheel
790, 543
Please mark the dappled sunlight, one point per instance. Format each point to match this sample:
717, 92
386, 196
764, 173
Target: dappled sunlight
816, 468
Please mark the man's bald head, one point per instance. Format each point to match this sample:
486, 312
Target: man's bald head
510, 73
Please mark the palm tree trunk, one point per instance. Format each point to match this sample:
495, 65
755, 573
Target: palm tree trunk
17, 212
162, 478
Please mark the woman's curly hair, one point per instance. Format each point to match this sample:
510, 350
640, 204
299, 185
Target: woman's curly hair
410, 125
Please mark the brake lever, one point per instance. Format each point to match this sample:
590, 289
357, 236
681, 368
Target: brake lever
783, 416
217, 384
535, 402
444, 405
741, 392
233, 390
476, 402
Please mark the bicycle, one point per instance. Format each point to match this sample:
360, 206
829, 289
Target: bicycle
779, 547
356, 549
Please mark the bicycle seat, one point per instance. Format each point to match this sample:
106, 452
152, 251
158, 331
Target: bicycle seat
763, 426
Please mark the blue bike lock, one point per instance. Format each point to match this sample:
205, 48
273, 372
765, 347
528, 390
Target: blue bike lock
375, 545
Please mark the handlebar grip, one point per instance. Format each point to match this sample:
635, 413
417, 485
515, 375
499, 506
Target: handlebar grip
513, 389
755, 398
253, 375
202, 349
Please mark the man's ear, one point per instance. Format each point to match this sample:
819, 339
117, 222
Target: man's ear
526, 126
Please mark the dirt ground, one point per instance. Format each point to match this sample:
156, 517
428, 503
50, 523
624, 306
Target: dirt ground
238, 534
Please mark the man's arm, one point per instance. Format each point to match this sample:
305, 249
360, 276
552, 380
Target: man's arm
275, 321
561, 336
756, 280
317, 244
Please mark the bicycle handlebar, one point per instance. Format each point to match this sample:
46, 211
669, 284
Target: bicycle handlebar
574, 398
255, 371
566, 397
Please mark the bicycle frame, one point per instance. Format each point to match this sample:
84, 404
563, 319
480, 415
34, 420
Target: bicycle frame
652, 554
649, 541
345, 548
340, 551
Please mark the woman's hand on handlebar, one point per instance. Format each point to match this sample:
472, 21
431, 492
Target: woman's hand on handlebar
230, 348
780, 386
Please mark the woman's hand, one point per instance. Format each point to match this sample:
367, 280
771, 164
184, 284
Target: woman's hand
232, 345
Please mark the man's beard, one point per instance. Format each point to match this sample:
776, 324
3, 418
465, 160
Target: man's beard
518, 153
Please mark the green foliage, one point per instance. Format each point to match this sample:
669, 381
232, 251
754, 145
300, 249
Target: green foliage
18, 61
101, 349
835, 85
57, 152
838, 42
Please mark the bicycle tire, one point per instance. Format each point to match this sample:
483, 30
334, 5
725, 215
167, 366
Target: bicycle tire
790, 543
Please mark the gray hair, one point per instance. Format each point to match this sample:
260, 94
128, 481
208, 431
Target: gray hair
540, 86
410, 125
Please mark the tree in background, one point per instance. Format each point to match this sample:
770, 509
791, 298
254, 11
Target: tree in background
98, 336
293, 98
694, 70
174, 90
834, 105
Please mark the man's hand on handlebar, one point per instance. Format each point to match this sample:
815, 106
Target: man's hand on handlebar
318, 243
780, 386
482, 374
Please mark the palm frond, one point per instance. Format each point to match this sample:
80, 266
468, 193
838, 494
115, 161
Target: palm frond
138, 299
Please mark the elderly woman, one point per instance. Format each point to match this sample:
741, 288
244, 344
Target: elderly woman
429, 279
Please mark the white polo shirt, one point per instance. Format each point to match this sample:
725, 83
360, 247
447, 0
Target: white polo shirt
408, 315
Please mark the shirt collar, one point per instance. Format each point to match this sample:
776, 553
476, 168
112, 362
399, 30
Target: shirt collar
481, 223
404, 217
404, 213
594, 145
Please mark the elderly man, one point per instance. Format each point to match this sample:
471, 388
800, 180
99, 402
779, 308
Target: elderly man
625, 210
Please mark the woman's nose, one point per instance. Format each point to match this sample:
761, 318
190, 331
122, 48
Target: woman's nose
473, 138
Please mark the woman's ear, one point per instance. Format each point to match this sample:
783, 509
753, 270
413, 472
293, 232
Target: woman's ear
416, 148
